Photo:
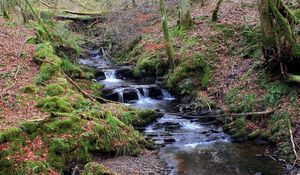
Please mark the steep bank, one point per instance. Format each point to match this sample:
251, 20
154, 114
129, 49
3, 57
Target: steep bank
74, 126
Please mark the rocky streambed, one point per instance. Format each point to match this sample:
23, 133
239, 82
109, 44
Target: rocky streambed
189, 145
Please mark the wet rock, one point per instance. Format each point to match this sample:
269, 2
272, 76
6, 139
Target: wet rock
112, 96
155, 93
130, 95
169, 140
99, 75
171, 126
125, 73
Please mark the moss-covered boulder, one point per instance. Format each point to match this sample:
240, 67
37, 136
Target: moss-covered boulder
189, 75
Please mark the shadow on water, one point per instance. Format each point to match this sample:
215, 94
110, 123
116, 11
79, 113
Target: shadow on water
188, 146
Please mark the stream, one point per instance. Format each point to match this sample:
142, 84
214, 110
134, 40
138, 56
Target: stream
190, 146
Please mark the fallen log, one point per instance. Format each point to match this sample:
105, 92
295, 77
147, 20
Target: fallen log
84, 13
85, 19
260, 113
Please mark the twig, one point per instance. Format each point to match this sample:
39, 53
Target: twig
21, 49
17, 71
77, 86
1, 92
75, 170
292, 141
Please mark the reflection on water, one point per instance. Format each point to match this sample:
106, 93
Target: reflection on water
221, 158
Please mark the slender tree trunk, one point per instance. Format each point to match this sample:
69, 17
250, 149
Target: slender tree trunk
169, 43
39, 19
23, 11
216, 11
134, 5
185, 17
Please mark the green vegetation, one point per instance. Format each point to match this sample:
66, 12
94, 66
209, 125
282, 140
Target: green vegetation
189, 75
93, 168
54, 90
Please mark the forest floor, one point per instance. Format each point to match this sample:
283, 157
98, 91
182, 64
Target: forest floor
17, 70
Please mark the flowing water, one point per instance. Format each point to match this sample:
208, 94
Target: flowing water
190, 146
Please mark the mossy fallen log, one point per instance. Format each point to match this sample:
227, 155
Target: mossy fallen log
78, 18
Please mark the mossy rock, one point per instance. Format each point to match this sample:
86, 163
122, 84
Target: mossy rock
255, 134
55, 104
189, 75
94, 168
54, 90
149, 66
241, 134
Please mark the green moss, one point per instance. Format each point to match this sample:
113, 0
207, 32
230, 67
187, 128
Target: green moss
240, 134
94, 168
148, 65
54, 90
63, 82
240, 122
189, 75
55, 104
247, 104
47, 71
29, 89
63, 125
46, 15
96, 88
70, 68
255, 134
29, 127
145, 117
33, 167
114, 122
275, 90
138, 118
9, 135
43, 51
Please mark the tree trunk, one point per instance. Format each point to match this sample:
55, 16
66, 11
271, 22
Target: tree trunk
214, 17
279, 44
169, 43
185, 17
134, 5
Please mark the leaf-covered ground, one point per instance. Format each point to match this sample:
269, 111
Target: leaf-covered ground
17, 70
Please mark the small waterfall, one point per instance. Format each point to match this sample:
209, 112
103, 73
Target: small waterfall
110, 74
121, 97
146, 92
138, 94
167, 95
